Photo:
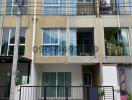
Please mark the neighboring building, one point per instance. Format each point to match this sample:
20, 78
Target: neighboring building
69, 49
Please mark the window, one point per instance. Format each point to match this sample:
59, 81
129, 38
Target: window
123, 39
54, 7
130, 6
11, 7
117, 42
73, 42
8, 41
121, 7
73, 7
0, 7
54, 42
56, 79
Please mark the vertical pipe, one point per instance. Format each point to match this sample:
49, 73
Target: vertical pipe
33, 44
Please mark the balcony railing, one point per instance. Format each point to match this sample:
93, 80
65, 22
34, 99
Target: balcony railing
82, 50
71, 9
66, 93
4, 92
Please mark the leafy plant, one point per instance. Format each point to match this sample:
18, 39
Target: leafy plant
101, 93
114, 50
113, 47
129, 96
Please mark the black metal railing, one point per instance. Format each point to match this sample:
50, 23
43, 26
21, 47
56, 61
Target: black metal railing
66, 93
4, 92
70, 9
83, 50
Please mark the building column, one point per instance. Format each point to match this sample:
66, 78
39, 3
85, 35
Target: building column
109, 78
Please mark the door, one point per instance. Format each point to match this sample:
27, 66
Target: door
87, 82
91, 93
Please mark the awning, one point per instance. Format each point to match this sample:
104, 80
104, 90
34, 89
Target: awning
9, 59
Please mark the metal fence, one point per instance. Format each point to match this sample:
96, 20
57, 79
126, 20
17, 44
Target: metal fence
4, 92
66, 93
69, 9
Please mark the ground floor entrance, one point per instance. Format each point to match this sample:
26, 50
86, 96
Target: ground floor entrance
66, 82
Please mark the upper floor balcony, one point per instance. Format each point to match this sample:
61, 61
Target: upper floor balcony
69, 7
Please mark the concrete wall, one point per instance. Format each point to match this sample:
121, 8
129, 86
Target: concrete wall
75, 69
110, 78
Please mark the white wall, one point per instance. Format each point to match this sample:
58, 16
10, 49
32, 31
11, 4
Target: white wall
75, 69
109, 75
109, 78
76, 72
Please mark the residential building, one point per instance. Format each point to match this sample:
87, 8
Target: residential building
69, 49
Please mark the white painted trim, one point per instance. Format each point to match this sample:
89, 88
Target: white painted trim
9, 41
1, 39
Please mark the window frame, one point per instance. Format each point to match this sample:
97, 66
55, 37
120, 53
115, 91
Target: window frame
58, 44
9, 44
14, 5
1, 8
58, 37
56, 84
58, 5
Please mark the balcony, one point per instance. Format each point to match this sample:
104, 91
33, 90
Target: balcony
108, 7
116, 42
86, 9
66, 93
82, 42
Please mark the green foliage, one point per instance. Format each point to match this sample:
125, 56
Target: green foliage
114, 50
112, 46
129, 96
101, 93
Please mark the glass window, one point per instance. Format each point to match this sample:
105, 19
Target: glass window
11, 7
123, 39
12, 36
121, 6
54, 42
117, 41
56, 79
73, 7
73, 42
5, 38
0, 7
8, 41
130, 6
54, 7
22, 35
